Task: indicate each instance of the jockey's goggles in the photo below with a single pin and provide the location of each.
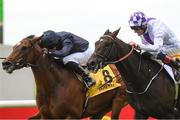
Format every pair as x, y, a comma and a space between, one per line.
136, 27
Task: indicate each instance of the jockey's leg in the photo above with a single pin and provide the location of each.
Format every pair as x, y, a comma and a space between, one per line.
82, 72
169, 61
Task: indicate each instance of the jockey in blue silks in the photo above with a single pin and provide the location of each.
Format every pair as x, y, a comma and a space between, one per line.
156, 38
72, 49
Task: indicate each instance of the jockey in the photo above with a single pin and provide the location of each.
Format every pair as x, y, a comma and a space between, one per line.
156, 38
73, 50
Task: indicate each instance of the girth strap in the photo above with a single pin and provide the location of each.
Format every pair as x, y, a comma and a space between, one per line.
176, 96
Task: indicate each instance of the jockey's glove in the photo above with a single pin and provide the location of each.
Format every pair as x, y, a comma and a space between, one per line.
50, 53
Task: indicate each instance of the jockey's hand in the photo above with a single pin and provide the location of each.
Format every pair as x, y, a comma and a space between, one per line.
50, 53
136, 46
45, 51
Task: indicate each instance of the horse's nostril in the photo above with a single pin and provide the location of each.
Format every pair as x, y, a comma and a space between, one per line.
6, 63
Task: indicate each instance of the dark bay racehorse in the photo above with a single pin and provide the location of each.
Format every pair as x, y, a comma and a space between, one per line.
151, 92
59, 93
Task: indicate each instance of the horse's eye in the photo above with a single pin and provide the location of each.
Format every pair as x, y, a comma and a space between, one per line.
24, 48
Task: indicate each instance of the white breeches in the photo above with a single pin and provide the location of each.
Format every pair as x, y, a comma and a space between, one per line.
170, 50
79, 57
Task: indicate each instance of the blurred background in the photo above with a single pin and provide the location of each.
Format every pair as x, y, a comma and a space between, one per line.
1, 21
86, 18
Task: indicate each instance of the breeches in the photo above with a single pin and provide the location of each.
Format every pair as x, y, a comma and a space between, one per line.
79, 57
168, 50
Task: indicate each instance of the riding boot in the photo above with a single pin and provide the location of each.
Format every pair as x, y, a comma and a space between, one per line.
169, 61
82, 72
175, 64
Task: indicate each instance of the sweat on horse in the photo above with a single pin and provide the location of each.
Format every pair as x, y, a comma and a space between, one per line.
59, 93
150, 89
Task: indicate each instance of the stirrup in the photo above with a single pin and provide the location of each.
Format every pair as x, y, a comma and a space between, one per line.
177, 76
89, 85
92, 83
86, 85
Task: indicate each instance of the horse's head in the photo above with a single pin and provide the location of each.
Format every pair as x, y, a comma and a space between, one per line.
22, 54
108, 50
105, 50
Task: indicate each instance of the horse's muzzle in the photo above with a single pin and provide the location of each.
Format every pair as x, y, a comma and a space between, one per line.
8, 67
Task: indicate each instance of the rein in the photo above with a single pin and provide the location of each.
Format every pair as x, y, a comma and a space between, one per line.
2, 58
122, 58
24, 61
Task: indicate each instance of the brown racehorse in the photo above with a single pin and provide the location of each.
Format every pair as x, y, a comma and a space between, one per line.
59, 93
150, 89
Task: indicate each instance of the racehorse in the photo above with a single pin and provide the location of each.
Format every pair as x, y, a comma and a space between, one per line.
59, 93
150, 89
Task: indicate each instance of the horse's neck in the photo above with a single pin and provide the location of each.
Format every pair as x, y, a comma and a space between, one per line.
45, 74
42, 71
49, 74
133, 72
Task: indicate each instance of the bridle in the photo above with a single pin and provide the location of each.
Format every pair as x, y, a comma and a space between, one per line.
106, 57
22, 62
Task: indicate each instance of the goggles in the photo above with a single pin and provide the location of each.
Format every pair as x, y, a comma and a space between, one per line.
136, 27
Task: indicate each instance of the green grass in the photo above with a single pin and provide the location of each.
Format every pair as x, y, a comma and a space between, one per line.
1, 10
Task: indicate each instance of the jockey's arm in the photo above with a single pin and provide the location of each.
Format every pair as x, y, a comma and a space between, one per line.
158, 41
66, 49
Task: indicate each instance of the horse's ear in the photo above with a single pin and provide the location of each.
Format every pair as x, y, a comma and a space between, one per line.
115, 33
107, 31
36, 39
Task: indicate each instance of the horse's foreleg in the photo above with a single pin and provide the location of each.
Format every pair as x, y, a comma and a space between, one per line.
115, 112
118, 103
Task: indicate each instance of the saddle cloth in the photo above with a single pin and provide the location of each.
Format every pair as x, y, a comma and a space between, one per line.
108, 73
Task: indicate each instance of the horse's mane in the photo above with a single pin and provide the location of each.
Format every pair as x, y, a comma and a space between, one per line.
30, 36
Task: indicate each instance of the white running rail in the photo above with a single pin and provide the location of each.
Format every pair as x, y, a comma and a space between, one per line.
17, 103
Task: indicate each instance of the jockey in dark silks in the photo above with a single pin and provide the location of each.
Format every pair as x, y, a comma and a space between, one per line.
156, 38
72, 49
